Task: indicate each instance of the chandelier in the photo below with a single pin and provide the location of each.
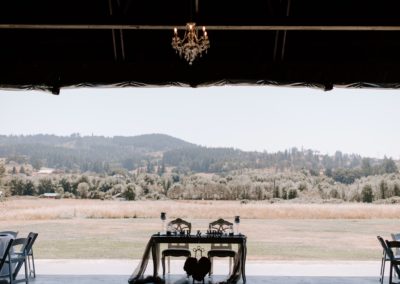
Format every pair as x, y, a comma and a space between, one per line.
191, 45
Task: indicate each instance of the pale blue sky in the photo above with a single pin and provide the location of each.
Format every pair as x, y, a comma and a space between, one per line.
249, 118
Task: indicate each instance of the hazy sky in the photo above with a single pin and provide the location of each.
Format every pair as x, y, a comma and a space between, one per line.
249, 118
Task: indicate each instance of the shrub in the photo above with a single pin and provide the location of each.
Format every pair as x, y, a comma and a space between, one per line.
367, 194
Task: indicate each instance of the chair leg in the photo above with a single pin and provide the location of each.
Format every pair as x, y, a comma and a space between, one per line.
10, 272
382, 269
230, 265
163, 265
390, 273
33, 266
169, 265
26, 270
212, 264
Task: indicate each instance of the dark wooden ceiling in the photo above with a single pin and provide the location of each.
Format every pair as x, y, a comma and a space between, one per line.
48, 44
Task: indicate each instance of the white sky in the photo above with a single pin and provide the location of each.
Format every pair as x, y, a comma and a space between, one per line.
249, 118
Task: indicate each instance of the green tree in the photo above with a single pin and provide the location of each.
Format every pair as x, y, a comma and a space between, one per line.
383, 189
292, 194
83, 189
284, 193
150, 167
45, 186
130, 192
36, 164
14, 170
334, 193
367, 195
166, 184
2, 170
17, 186
29, 188
276, 192
366, 167
161, 169
396, 189
22, 170
388, 166
66, 185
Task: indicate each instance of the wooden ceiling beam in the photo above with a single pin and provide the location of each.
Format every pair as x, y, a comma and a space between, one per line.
209, 27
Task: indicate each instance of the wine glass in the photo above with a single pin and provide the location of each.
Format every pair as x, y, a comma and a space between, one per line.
163, 217
237, 222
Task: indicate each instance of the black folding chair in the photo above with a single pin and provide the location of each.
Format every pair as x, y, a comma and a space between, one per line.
17, 256
394, 261
3, 259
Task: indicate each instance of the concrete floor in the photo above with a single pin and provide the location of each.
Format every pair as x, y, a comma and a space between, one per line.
118, 279
293, 272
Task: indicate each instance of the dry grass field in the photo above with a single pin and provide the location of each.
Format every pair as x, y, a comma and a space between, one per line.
118, 229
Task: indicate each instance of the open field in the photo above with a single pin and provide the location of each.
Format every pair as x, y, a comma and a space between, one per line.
107, 229
49, 209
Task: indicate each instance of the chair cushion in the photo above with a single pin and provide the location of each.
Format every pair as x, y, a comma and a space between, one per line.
221, 253
176, 252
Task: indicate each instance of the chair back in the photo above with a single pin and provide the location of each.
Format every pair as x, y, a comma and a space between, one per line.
383, 243
5, 254
396, 237
390, 246
385, 248
179, 225
33, 237
11, 233
222, 226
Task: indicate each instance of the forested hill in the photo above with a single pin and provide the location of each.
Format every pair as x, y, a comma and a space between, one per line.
88, 153
146, 143
155, 153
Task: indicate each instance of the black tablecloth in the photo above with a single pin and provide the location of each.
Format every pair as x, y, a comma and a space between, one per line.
153, 248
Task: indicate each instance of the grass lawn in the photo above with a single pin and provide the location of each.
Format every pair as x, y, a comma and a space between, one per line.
113, 229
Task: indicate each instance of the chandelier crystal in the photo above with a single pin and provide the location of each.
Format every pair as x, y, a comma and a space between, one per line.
191, 45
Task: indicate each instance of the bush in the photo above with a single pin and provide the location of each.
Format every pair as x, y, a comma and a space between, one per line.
292, 194
367, 195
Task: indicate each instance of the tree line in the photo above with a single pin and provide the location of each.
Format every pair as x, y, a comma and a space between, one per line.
237, 185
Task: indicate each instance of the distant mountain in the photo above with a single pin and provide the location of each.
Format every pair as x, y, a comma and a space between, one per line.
153, 142
89, 153
154, 152
147, 142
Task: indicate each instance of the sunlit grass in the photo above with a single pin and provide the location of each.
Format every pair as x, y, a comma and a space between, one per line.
44, 209
108, 229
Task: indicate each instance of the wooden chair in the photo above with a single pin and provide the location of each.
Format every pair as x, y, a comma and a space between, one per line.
394, 262
176, 249
221, 250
